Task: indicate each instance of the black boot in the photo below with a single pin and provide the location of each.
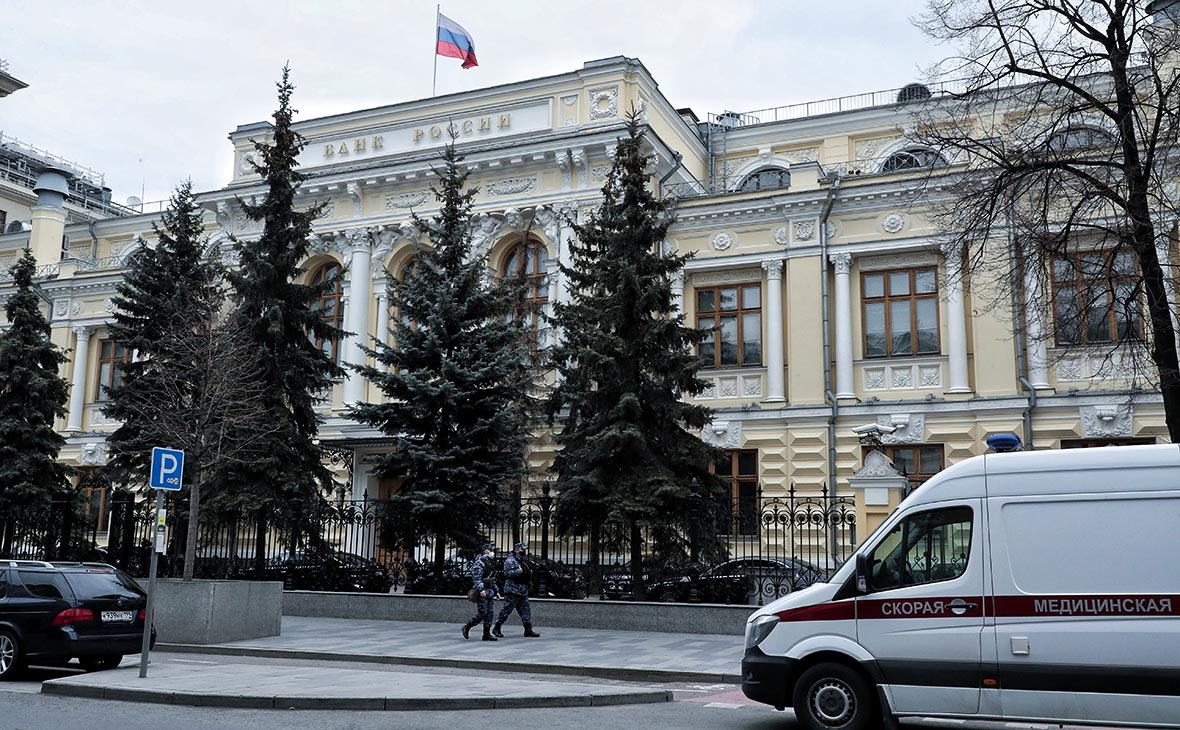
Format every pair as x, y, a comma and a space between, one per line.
467, 630
528, 631
487, 634
496, 630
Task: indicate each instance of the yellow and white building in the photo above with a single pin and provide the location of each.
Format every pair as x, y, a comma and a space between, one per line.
832, 304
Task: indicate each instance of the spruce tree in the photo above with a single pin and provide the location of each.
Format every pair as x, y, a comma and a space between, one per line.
278, 313
32, 395
166, 289
456, 379
628, 457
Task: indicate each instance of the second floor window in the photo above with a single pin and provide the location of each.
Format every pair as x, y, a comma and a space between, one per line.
1095, 298
111, 358
529, 261
328, 306
900, 312
734, 314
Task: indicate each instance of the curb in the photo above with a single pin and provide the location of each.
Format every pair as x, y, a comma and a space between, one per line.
400, 704
621, 673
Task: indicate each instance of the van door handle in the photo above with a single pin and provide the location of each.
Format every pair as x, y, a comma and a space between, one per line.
959, 606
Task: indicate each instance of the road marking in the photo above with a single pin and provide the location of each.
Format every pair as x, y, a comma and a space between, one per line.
726, 705
192, 661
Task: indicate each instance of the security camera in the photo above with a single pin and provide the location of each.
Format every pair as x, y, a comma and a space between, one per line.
873, 429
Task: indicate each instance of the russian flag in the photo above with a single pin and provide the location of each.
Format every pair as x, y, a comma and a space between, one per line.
455, 42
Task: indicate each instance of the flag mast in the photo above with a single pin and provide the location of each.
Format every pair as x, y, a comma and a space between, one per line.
434, 51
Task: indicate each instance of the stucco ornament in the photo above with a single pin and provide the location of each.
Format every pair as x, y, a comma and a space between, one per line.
893, 223
604, 103
548, 220
1107, 421
722, 241
94, 454
404, 200
804, 230
877, 466
484, 229
911, 428
780, 235
723, 434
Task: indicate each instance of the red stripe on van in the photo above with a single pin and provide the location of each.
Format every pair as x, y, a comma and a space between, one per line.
838, 611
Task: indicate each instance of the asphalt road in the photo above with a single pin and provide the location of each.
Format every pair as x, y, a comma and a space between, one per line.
697, 707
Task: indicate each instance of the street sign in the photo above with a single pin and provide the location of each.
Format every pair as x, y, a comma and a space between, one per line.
167, 468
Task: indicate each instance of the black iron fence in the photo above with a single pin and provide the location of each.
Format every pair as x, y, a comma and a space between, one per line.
760, 546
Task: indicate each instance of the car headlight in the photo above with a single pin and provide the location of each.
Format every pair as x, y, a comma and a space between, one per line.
759, 629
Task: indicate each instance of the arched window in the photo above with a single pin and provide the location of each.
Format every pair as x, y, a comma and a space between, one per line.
914, 158
1079, 138
530, 261
768, 178
328, 305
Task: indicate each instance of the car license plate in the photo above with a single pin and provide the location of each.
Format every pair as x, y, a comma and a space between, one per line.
117, 616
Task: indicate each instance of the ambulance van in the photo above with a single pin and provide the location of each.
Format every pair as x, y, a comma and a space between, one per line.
1031, 586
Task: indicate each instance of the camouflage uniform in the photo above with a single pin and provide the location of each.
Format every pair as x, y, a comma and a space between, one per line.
516, 591
483, 581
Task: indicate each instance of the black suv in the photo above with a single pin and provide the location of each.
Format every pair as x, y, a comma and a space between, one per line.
53, 612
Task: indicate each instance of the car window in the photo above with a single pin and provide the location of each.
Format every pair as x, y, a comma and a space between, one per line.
3, 584
103, 584
923, 548
43, 584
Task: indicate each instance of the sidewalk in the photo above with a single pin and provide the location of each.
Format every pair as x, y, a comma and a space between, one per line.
573, 653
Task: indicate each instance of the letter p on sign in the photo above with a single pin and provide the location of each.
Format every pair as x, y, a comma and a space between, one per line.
167, 468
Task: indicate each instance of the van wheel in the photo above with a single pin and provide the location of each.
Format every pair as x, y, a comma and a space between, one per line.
833, 697
11, 656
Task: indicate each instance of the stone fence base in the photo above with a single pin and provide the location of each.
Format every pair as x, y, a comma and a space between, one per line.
561, 613
217, 611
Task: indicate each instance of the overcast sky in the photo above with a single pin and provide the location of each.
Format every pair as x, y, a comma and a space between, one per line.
146, 92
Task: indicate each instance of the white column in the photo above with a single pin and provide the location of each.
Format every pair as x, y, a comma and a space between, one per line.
775, 355
842, 314
357, 315
956, 326
678, 293
78, 388
383, 314
1034, 328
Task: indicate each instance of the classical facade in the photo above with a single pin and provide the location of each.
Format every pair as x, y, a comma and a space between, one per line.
830, 304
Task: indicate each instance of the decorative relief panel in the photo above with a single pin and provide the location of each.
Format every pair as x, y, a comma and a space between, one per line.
727, 387
405, 200
1098, 366
895, 261
869, 149
909, 428
731, 386
908, 376
512, 186
732, 276
800, 156
1107, 421
604, 103
780, 235
893, 223
61, 308
598, 172
569, 111
804, 230
722, 241
723, 434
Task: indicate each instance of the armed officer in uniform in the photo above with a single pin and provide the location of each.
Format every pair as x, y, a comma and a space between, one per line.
484, 582
516, 591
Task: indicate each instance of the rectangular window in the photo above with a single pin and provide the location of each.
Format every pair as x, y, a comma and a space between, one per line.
919, 462
94, 501
733, 315
740, 508
111, 359
900, 312
1096, 298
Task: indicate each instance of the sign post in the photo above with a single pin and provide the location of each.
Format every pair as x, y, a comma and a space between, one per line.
166, 475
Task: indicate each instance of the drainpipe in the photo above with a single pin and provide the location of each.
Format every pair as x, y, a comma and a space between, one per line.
828, 394
1018, 322
93, 241
679, 158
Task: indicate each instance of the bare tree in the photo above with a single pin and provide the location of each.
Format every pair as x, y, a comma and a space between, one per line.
211, 408
1065, 128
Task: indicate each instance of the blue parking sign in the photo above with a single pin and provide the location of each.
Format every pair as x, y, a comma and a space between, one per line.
167, 468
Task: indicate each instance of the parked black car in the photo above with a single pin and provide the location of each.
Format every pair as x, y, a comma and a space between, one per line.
54, 612
329, 571
558, 579
744, 581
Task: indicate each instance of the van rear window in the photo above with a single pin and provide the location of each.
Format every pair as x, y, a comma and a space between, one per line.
44, 584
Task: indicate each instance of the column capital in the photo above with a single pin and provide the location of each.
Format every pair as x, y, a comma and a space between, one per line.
842, 262
677, 279
83, 331
773, 269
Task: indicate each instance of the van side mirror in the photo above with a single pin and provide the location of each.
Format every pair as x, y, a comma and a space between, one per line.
863, 573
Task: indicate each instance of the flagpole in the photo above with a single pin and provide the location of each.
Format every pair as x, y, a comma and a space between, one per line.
434, 83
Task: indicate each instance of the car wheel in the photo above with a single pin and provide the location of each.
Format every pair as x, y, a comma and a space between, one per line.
11, 655
100, 663
833, 696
